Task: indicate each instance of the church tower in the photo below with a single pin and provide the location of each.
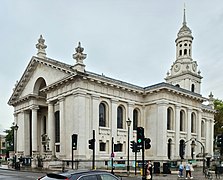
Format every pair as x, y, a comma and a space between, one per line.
183, 72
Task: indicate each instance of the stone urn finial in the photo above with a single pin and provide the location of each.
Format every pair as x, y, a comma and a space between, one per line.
41, 47
79, 56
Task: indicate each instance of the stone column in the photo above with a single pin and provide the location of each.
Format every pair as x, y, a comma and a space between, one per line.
51, 127
62, 128
16, 134
34, 129
177, 132
26, 134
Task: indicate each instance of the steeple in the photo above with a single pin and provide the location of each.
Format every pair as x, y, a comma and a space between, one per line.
184, 18
183, 72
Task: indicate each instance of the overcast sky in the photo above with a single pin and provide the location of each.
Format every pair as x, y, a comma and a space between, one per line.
129, 40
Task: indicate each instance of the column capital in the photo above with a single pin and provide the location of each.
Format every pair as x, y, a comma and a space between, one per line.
61, 98
49, 102
34, 107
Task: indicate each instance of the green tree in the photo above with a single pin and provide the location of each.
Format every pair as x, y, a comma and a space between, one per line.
218, 106
9, 138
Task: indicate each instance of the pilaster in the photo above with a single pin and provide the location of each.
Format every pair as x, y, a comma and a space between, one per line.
62, 128
161, 135
187, 148
177, 131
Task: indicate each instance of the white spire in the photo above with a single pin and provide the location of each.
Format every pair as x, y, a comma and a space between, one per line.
184, 17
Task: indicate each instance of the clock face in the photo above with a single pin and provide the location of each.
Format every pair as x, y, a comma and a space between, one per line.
194, 67
177, 67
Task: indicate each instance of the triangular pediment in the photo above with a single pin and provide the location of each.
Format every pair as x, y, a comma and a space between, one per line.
48, 69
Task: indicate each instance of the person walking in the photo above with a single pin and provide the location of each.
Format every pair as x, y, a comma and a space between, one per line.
149, 170
191, 170
181, 169
188, 168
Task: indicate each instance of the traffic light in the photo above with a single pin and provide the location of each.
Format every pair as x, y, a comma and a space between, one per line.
132, 145
91, 144
74, 141
219, 140
140, 136
147, 143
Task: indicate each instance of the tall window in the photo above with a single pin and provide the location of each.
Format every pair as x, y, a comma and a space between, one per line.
193, 122
202, 129
120, 117
182, 120
135, 119
57, 126
169, 118
169, 148
102, 115
192, 87
181, 149
44, 125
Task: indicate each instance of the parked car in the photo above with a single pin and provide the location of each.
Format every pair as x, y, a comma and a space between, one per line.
81, 175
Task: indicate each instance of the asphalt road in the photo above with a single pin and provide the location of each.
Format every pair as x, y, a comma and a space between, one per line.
29, 175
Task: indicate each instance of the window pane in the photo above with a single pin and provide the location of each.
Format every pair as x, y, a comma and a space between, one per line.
89, 177
135, 119
57, 126
120, 118
107, 177
102, 115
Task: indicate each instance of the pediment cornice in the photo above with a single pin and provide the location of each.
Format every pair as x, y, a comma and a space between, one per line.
19, 87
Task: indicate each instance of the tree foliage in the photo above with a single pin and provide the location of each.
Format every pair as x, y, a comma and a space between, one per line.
9, 138
218, 105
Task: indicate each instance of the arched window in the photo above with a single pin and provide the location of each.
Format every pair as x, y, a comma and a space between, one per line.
182, 120
39, 84
202, 129
135, 119
169, 118
102, 115
185, 51
193, 122
180, 53
120, 117
181, 149
192, 87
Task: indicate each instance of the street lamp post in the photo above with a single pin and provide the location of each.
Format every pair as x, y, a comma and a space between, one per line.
15, 142
128, 124
203, 149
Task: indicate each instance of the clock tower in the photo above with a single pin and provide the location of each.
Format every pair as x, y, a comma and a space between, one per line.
183, 72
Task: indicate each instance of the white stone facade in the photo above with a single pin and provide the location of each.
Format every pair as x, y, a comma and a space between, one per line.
54, 100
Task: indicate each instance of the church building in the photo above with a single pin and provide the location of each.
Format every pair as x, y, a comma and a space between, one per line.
53, 100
